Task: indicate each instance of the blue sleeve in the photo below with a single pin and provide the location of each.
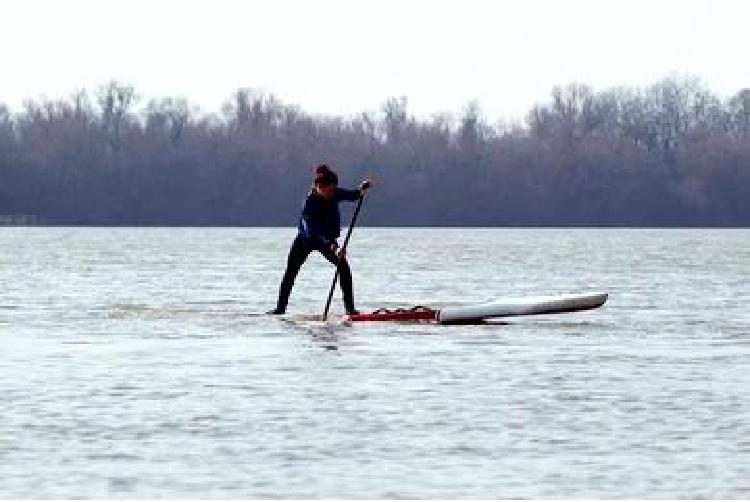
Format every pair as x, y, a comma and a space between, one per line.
310, 226
344, 194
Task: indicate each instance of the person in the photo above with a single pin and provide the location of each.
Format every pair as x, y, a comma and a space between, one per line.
319, 227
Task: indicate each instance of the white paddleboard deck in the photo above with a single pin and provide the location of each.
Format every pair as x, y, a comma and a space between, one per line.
522, 306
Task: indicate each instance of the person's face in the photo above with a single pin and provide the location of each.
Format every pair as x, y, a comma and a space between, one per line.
327, 191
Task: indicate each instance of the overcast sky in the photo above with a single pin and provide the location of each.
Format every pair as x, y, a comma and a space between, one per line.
345, 56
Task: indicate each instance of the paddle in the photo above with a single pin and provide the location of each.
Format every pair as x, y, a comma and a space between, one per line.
343, 250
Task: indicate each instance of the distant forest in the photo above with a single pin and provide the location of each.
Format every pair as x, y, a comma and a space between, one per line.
670, 154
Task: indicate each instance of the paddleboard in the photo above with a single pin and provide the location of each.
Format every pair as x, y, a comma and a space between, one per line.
505, 307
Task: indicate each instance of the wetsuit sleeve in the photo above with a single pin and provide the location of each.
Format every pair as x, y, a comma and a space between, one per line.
344, 194
310, 225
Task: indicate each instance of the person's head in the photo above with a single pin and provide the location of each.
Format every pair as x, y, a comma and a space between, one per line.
325, 181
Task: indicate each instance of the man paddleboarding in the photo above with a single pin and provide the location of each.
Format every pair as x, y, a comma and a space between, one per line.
319, 227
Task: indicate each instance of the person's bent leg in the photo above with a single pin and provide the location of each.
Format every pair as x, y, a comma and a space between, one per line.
301, 248
345, 276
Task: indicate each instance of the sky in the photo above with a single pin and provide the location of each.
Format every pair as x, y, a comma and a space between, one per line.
347, 56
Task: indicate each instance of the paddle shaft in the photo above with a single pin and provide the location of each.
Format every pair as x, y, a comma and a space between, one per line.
343, 249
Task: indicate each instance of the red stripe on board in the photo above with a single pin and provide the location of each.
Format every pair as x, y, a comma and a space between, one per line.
421, 315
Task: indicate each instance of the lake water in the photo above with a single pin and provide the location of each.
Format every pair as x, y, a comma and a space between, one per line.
129, 366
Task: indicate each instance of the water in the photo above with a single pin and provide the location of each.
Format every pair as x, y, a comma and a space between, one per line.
130, 369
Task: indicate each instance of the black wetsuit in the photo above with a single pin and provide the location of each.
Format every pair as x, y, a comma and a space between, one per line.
319, 227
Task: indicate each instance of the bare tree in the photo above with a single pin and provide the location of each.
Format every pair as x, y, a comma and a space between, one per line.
673, 153
115, 101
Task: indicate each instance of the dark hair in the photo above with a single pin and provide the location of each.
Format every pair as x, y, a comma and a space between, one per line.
323, 176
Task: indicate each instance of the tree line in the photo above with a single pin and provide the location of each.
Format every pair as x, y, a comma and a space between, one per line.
670, 154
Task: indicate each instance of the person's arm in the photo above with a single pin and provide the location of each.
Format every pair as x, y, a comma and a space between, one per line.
344, 194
